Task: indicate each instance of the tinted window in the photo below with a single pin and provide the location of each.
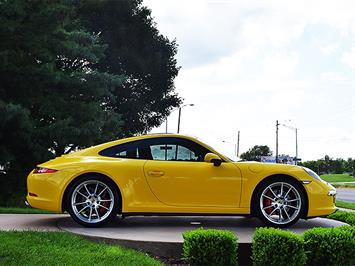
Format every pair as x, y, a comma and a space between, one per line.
169, 149
175, 149
131, 150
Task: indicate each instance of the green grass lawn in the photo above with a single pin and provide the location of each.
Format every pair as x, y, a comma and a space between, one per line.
338, 178
345, 204
60, 248
22, 210
344, 185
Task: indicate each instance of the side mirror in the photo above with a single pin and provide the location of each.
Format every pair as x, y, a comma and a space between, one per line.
213, 158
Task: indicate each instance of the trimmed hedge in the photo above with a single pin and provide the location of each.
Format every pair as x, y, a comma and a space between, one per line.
210, 247
330, 246
343, 216
273, 246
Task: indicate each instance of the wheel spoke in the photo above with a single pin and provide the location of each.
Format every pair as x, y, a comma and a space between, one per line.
79, 203
82, 194
103, 207
268, 197
292, 200
97, 214
282, 189
87, 190
106, 200
97, 184
273, 193
288, 192
90, 214
290, 206
272, 211
102, 191
87, 206
288, 216
267, 207
280, 215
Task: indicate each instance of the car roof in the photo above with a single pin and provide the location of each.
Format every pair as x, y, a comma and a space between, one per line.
96, 149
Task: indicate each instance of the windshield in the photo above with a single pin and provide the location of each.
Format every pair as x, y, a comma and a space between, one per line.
226, 149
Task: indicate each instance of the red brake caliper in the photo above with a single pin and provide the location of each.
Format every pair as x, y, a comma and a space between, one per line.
106, 204
267, 202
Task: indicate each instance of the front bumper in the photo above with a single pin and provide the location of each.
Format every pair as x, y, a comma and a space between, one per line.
321, 198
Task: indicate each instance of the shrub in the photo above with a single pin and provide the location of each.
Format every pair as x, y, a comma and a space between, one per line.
210, 247
346, 217
330, 246
273, 246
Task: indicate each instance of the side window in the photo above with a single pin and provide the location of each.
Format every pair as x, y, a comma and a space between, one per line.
160, 149
174, 149
132, 150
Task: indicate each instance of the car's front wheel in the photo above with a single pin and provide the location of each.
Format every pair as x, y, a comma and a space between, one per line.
280, 202
92, 201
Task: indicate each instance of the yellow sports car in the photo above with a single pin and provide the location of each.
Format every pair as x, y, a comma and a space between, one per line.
177, 175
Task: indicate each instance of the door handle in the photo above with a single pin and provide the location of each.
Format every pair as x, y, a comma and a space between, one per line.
156, 173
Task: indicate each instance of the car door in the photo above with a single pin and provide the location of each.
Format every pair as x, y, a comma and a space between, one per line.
178, 176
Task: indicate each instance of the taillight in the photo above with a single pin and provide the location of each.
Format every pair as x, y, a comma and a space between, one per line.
42, 170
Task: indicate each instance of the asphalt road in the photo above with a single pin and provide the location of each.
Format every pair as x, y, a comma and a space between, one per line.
346, 194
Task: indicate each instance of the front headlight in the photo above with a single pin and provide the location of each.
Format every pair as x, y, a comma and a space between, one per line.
312, 174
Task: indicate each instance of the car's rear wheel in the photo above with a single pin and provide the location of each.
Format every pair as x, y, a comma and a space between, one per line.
92, 201
280, 202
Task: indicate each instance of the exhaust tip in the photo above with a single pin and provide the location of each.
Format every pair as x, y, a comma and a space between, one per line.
27, 204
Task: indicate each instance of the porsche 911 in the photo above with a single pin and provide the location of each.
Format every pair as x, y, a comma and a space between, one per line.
171, 174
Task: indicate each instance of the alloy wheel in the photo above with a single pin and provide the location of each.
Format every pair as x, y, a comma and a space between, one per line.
280, 203
92, 201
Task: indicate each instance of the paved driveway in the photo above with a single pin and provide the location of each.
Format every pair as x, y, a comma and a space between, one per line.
346, 194
33, 222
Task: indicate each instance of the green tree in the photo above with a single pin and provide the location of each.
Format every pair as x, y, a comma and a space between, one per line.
254, 153
52, 95
57, 90
136, 49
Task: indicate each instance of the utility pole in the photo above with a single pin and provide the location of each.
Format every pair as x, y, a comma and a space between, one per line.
166, 125
277, 141
238, 143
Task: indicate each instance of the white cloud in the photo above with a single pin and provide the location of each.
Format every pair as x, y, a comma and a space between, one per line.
333, 76
329, 48
349, 58
247, 63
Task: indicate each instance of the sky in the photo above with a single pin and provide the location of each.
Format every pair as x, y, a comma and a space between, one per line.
246, 64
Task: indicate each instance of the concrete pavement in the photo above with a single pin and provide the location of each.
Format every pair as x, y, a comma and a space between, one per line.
34, 222
158, 236
346, 194
170, 229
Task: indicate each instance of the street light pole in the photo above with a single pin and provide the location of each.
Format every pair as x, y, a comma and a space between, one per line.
277, 141
296, 148
178, 130
238, 143
179, 118
295, 129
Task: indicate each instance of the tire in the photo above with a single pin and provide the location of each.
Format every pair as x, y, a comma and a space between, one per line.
93, 201
280, 202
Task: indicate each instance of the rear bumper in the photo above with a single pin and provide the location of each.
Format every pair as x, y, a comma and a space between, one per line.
43, 193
